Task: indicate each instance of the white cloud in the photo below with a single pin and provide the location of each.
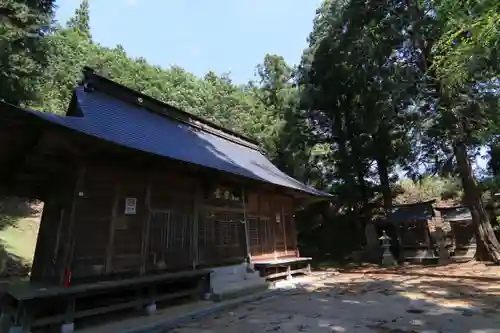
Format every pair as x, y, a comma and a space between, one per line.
131, 2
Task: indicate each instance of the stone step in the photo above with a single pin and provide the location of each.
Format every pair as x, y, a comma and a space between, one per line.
218, 279
229, 274
234, 269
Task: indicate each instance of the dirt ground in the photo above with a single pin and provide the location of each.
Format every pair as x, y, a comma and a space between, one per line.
454, 298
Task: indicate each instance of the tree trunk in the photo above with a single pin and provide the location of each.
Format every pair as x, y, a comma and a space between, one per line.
488, 247
358, 167
383, 173
383, 147
346, 166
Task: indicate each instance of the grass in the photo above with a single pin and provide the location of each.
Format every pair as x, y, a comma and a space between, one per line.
20, 239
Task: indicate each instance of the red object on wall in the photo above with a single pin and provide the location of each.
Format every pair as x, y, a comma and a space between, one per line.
67, 278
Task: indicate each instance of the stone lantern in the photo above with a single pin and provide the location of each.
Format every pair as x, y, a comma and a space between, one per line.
387, 257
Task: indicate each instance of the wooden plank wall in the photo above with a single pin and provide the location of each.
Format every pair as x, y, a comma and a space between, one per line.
127, 230
272, 229
171, 222
178, 224
93, 217
221, 228
414, 234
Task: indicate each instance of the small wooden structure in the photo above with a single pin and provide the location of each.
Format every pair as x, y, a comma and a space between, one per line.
135, 189
460, 231
412, 223
423, 227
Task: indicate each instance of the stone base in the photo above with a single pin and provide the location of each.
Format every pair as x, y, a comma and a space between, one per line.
234, 281
68, 328
150, 309
239, 290
464, 253
420, 256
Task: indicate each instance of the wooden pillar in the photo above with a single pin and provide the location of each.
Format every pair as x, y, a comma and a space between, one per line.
284, 227
146, 229
111, 233
67, 256
245, 225
295, 233
196, 225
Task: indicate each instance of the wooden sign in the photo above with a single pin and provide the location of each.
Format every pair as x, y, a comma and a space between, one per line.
130, 206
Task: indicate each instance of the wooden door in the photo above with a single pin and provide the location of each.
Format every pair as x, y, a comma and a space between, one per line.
170, 240
279, 225
93, 213
128, 225
221, 237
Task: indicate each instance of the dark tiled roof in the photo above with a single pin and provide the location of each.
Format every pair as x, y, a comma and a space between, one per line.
455, 214
110, 119
413, 212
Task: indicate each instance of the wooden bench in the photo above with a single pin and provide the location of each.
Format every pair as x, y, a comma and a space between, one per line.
275, 268
37, 306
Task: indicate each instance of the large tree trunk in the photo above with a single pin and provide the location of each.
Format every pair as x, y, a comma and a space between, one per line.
488, 247
383, 174
360, 171
382, 158
346, 166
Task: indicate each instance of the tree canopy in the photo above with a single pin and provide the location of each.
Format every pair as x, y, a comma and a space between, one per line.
384, 90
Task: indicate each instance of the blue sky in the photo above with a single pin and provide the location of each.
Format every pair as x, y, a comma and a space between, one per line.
201, 35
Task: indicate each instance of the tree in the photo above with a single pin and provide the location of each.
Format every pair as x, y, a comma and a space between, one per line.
294, 149
80, 22
23, 25
429, 188
461, 101
357, 93
213, 97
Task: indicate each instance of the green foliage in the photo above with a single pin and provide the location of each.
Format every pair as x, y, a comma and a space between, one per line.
81, 21
357, 95
382, 85
22, 48
469, 44
213, 97
428, 188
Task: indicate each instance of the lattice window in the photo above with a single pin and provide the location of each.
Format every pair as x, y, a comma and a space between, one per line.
253, 232
227, 230
171, 235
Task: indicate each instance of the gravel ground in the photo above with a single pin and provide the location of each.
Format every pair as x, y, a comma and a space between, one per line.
367, 303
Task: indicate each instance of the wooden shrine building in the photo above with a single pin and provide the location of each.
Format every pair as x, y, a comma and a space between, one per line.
457, 221
134, 188
412, 224
421, 227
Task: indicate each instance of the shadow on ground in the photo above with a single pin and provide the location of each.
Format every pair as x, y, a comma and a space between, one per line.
368, 303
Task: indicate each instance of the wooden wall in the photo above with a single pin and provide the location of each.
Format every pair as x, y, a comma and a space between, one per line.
271, 226
179, 223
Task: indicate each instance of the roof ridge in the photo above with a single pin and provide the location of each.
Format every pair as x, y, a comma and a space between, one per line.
92, 81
